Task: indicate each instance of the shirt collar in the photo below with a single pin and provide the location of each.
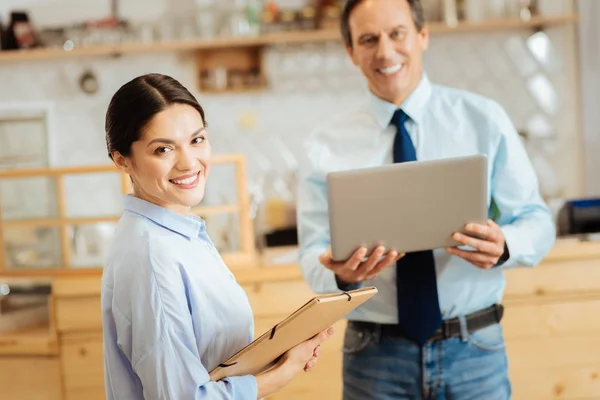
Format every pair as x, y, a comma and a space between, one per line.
190, 226
413, 106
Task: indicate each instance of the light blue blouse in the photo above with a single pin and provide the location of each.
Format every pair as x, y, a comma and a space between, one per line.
171, 310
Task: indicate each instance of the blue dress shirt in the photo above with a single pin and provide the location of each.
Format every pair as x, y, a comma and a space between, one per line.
171, 310
445, 122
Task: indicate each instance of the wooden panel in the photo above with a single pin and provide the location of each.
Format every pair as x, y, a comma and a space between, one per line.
278, 298
551, 278
30, 378
91, 286
78, 313
529, 354
552, 319
571, 250
76, 287
557, 383
83, 366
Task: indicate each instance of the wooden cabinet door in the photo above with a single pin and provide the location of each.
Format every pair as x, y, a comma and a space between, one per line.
31, 378
83, 366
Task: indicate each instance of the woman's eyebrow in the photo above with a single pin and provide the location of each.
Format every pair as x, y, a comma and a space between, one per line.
169, 141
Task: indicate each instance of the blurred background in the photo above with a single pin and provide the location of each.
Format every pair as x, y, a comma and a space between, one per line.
267, 73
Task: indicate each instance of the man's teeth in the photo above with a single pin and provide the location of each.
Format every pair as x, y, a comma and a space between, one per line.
186, 181
390, 70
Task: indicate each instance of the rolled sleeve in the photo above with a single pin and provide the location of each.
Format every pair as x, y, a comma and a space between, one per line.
243, 387
524, 217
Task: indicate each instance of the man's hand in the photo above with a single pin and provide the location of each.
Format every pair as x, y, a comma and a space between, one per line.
488, 244
355, 270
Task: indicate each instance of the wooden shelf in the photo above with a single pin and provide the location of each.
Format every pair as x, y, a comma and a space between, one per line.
244, 257
537, 22
264, 40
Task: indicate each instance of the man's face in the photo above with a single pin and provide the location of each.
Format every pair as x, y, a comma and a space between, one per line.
387, 47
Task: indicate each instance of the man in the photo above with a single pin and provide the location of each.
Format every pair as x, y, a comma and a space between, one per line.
433, 331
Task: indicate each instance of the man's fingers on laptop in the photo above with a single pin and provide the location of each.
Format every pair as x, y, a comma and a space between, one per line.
351, 264
374, 257
355, 261
366, 268
389, 259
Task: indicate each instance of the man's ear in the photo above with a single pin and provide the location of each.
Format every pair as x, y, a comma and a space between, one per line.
122, 162
350, 52
424, 38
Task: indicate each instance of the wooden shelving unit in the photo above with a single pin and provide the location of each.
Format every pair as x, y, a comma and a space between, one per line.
245, 257
265, 40
242, 56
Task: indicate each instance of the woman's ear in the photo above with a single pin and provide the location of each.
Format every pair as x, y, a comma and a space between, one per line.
122, 162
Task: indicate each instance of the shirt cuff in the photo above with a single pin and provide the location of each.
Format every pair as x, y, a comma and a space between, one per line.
511, 246
504, 257
243, 387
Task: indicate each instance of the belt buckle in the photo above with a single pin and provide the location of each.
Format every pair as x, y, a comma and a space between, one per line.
446, 331
440, 334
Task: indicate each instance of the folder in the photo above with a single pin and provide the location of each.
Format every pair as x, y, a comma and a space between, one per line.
316, 315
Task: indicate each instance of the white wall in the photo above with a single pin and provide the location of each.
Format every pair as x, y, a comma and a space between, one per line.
317, 82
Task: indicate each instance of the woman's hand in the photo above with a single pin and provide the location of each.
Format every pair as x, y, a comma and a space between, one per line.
313, 360
302, 357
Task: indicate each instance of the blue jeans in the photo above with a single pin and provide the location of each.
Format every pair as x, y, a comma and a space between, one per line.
471, 367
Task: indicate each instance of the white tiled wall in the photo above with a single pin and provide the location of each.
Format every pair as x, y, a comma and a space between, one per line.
310, 84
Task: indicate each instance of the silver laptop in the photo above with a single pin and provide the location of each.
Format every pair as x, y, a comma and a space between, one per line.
409, 206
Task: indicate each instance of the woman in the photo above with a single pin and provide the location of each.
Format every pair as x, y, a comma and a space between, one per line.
171, 309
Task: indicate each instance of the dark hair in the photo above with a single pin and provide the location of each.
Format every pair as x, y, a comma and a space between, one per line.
416, 8
136, 103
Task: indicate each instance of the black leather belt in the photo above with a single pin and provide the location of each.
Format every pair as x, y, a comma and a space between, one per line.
450, 327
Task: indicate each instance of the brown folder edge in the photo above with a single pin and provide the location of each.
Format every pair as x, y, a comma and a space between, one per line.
272, 334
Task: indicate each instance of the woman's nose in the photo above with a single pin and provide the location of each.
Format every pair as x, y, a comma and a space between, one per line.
186, 160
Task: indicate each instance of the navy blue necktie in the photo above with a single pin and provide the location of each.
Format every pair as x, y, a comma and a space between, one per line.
418, 306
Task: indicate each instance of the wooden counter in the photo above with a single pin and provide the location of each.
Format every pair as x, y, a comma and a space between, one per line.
551, 325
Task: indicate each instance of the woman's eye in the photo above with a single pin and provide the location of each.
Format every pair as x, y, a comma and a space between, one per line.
162, 150
198, 140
